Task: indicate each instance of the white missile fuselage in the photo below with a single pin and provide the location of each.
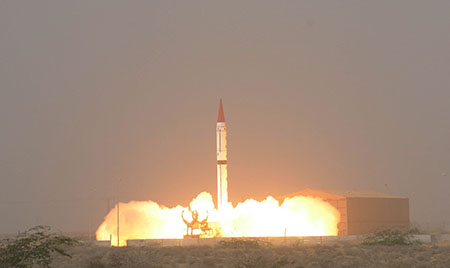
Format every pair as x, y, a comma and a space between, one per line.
222, 184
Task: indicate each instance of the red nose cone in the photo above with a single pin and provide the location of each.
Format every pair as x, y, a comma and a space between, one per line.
221, 117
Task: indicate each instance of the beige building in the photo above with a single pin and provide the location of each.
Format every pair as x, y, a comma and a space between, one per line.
363, 212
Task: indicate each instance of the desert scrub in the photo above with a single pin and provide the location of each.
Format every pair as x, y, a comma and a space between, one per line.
252, 254
35, 247
244, 243
391, 238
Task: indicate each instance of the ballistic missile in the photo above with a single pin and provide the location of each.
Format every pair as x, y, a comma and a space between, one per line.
221, 137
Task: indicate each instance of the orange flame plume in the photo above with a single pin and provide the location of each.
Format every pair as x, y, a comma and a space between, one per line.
296, 216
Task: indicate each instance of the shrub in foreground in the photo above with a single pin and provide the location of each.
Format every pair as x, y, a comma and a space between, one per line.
33, 248
391, 238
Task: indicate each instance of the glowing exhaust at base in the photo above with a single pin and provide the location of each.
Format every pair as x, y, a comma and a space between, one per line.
297, 216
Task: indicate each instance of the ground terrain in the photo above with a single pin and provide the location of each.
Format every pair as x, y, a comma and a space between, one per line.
247, 254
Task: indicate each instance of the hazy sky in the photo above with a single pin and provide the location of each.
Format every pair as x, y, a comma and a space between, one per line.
317, 94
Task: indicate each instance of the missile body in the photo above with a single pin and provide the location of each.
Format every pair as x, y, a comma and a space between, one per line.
221, 136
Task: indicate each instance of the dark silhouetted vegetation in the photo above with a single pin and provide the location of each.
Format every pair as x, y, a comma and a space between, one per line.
391, 238
244, 243
33, 248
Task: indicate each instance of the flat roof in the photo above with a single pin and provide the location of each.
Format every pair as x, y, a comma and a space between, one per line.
342, 194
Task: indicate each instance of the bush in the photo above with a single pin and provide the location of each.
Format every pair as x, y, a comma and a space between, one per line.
33, 248
391, 238
244, 243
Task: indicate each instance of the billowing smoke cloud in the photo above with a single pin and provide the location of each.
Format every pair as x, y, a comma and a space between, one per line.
297, 216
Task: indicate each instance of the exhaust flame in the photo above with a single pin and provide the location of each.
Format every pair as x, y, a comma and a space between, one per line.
296, 216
